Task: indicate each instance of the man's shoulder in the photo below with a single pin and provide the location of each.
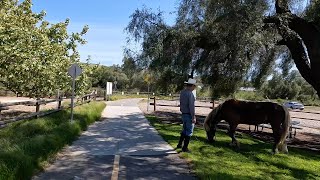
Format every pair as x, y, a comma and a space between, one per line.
182, 91
186, 92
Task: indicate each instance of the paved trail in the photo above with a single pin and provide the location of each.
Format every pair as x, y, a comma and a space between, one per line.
122, 146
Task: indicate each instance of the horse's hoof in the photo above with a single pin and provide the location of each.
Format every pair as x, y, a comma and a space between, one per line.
284, 149
274, 152
235, 144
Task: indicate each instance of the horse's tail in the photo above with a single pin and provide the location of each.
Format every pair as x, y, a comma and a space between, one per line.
285, 127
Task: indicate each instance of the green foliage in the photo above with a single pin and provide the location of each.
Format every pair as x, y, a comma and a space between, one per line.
222, 42
129, 66
219, 41
249, 95
312, 12
290, 87
103, 74
278, 87
252, 161
35, 54
27, 145
126, 96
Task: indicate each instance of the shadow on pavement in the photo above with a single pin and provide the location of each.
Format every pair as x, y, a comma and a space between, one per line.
123, 131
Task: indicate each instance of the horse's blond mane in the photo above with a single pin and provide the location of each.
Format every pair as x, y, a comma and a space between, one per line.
209, 119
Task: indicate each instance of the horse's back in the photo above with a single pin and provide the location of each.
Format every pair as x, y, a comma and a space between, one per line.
250, 112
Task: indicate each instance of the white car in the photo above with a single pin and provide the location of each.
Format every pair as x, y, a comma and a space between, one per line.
294, 105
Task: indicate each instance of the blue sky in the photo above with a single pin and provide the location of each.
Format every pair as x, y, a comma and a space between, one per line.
106, 19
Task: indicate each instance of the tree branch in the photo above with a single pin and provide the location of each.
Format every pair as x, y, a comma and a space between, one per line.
299, 55
282, 6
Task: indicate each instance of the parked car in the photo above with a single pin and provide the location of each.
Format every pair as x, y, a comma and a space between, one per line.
294, 105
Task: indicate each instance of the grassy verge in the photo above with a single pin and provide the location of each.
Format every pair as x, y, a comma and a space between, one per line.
252, 161
27, 146
128, 96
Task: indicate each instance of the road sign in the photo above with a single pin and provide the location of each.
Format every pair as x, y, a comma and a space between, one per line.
109, 88
74, 71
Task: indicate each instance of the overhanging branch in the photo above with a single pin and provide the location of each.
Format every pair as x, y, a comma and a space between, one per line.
282, 6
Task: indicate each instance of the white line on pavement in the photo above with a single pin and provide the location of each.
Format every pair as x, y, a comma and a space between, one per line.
115, 172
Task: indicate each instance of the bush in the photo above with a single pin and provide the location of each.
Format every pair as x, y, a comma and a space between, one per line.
25, 146
249, 95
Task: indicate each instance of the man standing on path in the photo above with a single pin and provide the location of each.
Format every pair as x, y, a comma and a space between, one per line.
187, 109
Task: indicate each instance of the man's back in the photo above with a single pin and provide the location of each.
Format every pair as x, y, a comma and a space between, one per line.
187, 102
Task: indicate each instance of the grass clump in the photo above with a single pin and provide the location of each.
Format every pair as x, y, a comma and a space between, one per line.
252, 161
116, 97
27, 145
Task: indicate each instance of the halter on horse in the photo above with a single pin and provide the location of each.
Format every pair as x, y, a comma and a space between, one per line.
236, 112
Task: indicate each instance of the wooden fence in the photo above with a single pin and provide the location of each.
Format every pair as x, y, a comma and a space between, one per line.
293, 127
4, 121
211, 107
154, 104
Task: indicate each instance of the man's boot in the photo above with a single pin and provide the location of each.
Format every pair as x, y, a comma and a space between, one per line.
182, 136
186, 143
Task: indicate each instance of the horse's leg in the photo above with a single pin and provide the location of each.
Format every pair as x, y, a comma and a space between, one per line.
284, 148
232, 132
277, 136
275, 148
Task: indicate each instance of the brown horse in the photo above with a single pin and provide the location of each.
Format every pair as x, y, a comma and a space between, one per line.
236, 112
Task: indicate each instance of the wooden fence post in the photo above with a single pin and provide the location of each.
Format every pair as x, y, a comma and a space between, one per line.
154, 103
59, 102
59, 99
37, 106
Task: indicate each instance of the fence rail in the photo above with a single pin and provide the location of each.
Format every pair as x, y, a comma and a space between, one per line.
154, 104
309, 119
4, 121
211, 107
28, 103
307, 112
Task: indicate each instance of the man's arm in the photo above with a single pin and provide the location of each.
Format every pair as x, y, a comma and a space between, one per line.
192, 108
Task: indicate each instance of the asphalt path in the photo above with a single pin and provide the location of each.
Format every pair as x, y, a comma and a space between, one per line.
121, 146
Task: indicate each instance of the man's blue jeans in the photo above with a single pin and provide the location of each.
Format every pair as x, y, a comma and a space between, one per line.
187, 125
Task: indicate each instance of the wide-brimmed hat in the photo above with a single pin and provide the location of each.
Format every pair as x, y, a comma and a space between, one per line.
191, 81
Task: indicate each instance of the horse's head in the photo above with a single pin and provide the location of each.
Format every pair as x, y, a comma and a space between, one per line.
210, 123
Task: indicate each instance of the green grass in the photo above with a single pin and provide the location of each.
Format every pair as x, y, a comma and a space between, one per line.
126, 96
252, 161
27, 146
249, 95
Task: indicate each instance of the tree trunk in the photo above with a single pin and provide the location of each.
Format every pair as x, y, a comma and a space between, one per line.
302, 39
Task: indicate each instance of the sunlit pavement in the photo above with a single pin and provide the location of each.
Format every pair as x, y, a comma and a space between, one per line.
122, 146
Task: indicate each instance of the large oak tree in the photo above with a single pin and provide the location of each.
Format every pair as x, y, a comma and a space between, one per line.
302, 37
224, 42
